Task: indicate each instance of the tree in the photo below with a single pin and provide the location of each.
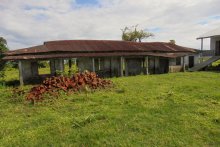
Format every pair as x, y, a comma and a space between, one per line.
172, 41
133, 34
3, 48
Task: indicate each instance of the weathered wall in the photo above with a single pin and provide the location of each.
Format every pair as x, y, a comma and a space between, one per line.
175, 68
172, 61
115, 67
163, 65
157, 65
27, 70
134, 66
151, 65
213, 42
56, 65
85, 64
109, 66
186, 60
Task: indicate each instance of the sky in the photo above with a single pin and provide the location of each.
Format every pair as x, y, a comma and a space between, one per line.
26, 23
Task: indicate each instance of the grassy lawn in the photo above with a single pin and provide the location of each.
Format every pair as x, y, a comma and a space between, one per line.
181, 109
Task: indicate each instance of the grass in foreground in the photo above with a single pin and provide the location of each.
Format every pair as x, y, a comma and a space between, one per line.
181, 109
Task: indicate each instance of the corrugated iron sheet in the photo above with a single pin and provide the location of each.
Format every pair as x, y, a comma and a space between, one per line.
94, 48
76, 55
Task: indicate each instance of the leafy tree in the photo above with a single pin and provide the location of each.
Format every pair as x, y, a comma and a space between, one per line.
3, 45
172, 41
133, 34
3, 48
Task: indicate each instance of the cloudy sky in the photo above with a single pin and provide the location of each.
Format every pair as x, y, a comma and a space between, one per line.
26, 23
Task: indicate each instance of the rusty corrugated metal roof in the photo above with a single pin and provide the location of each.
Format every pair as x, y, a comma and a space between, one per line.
75, 55
77, 48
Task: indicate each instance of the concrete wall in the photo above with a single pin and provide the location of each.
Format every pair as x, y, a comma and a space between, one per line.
85, 64
133, 66
163, 65
109, 66
184, 60
196, 60
115, 67
27, 70
173, 67
151, 65
172, 61
56, 65
213, 42
154, 65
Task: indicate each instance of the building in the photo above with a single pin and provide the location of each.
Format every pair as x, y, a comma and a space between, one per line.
107, 58
214, 53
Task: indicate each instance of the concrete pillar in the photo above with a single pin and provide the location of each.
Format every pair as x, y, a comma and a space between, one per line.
34, 69
126, 67
202, 49
70, 66
27, 70
56, 65
146, 65
202, 44
156, 65
20, 73
184, 64
93, 64
121, 66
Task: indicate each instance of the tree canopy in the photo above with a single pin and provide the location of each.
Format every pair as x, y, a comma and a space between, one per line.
173, 41
3, 45
133, 34
3, 48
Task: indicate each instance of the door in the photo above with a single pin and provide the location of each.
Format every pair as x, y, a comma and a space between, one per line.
217, 48
164, 65
191, 61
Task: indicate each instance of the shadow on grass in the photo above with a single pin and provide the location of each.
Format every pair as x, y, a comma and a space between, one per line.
12, 83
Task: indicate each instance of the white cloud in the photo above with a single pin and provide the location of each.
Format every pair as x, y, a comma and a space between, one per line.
31, 22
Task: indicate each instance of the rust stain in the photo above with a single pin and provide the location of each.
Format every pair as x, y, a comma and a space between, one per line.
97, 48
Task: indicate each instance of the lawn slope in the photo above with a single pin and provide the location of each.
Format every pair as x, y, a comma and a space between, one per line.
181, 109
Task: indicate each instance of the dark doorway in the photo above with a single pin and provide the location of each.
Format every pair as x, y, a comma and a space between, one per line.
134, 66
217, 48
191, 61
164, 65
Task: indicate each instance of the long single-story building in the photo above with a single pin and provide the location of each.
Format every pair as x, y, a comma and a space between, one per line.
107, 58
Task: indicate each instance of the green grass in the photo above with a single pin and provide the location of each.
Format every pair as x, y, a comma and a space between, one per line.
181, 109
216, 63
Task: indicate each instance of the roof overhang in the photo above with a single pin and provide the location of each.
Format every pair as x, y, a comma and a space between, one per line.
212, 33
97, 48
78, 55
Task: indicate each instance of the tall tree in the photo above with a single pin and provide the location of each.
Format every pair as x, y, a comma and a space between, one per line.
3, 48
3, 45
133, 34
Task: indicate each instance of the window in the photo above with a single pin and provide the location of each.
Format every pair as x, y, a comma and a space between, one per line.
178, 61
